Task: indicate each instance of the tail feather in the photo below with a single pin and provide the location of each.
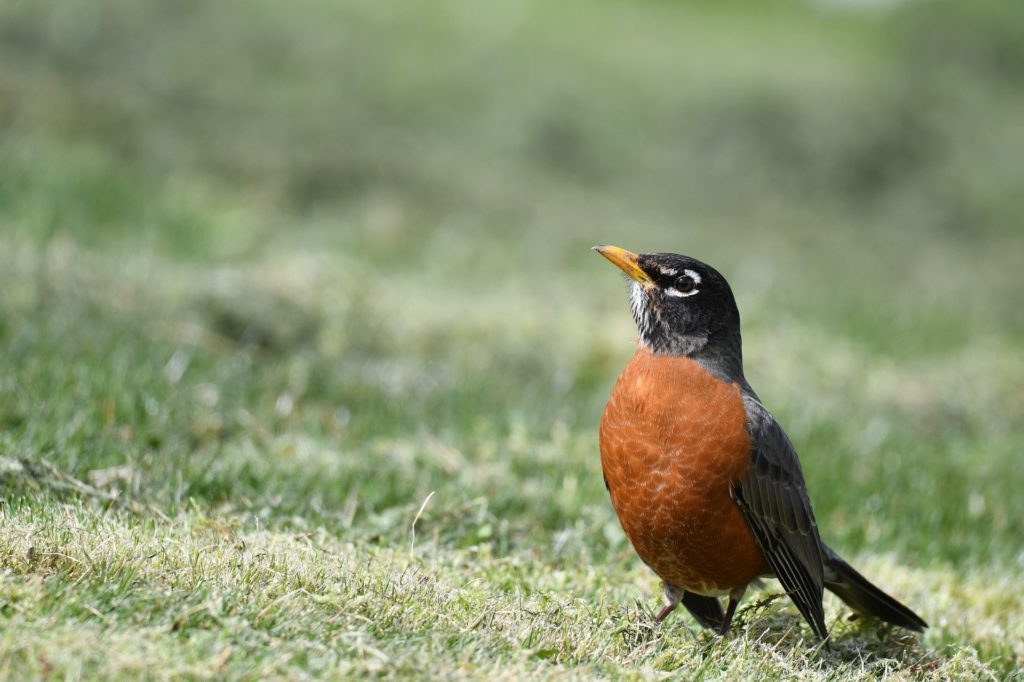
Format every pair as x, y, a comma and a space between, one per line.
861, 595
707, 610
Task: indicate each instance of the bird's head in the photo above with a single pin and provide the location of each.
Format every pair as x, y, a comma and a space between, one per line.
679, 303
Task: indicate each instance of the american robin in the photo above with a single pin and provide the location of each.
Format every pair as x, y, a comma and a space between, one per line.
705, 482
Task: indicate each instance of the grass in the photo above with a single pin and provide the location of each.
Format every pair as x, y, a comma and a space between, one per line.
202, 596
304, 348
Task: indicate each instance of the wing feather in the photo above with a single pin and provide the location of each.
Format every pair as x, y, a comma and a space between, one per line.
774, 501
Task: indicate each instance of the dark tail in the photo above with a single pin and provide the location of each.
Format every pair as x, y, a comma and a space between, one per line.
854, 589
707, 610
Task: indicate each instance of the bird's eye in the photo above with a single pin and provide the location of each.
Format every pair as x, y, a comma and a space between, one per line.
685, 284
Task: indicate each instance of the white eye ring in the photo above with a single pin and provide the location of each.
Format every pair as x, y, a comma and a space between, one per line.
693, 277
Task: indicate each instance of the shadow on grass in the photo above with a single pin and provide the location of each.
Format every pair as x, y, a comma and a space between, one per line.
864, 644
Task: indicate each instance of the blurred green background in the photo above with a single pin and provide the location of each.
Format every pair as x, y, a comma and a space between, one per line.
311, 261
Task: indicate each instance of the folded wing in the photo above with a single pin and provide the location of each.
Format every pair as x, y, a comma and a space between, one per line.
774, 501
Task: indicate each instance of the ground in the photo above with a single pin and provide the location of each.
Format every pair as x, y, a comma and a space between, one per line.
303, 347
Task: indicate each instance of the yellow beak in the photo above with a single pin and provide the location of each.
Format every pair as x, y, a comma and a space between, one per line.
627, 262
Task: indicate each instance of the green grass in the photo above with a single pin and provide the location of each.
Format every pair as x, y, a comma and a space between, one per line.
304, 350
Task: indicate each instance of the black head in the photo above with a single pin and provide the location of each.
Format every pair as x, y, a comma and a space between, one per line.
681, 305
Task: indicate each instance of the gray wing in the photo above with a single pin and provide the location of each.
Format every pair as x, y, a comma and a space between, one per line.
774, 501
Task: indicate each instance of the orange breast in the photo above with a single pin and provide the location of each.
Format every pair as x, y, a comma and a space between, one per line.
673, 441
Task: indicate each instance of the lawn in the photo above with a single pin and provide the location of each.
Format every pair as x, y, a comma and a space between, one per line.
303, 347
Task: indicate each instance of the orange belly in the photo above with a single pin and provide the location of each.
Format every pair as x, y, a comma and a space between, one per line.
673, 441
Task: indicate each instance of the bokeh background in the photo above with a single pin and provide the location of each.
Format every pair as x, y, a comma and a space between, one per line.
308, 262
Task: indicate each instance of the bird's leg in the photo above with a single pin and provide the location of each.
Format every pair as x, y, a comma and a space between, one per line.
665, 610
672, 597
730, 610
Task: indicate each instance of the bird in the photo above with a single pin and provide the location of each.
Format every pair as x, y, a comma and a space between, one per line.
706, 484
